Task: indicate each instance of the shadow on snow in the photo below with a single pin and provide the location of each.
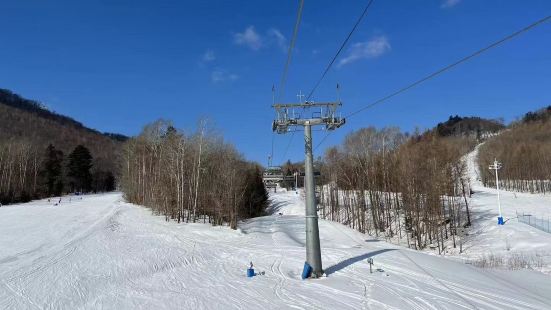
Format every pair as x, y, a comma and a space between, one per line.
350, 261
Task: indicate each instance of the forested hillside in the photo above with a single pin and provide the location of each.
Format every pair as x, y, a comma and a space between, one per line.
411, 187
191, 177
34, 141
473, 126
525, 153
382, 183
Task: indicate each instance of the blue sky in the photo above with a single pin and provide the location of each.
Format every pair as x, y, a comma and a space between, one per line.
116, 65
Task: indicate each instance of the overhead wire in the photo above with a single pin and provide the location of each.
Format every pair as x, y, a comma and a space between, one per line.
286, 68
450, 66
290, 51
342, 46
271, 158
444, 69
364, 13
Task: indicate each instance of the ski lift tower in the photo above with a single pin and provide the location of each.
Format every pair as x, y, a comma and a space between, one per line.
315, 114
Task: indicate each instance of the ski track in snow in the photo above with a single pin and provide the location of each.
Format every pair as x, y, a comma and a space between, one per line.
100, 252
486, 237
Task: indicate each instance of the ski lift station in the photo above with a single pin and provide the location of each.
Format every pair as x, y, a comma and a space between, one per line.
272, 176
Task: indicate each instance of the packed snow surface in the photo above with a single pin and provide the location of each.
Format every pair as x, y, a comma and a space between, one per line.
513, 238
100, 252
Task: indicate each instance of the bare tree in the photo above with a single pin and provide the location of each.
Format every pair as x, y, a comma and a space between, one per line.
189, 177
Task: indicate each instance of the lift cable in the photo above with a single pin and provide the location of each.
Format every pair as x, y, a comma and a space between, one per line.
444, 69
290, 51
286, 69
364, 13
288, 144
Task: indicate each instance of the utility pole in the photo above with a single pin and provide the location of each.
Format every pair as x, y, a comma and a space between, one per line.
286, 118
496, 166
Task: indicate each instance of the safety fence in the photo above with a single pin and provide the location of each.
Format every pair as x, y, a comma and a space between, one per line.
534, 221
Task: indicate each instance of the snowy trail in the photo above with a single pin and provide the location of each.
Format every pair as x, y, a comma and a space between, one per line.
100, 252
513, 237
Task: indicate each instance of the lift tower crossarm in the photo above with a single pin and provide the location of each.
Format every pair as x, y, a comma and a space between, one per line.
286, 116
307, 105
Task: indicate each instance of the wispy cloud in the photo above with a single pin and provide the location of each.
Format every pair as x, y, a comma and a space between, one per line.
220, 75
209, 56
255, 40
449, 3
249, 38
279, 38
373, 48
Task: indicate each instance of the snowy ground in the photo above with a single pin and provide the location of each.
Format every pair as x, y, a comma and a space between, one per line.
513, 238
100, 252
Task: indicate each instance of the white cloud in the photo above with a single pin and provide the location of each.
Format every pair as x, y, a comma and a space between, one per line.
255, 41
220, 75
279, 38
373, 48
249, 38
449, 3
209, 55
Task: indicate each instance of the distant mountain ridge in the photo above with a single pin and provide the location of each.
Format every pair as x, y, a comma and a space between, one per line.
28, 121
13, 100
542, 115
465, 126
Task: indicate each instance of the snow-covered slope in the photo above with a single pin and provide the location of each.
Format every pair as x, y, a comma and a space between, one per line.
513, 238
100, 252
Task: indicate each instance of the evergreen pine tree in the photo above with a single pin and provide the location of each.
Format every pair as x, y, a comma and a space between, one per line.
256, 194
109, 183
52, 171
80, 163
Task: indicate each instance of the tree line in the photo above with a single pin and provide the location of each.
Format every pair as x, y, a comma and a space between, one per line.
524, 151
384, 183
191, 177
26, 122
28, 172
34, 141
468, 126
